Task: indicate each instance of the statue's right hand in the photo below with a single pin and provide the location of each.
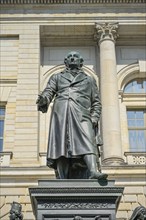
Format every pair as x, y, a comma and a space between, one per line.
40, 100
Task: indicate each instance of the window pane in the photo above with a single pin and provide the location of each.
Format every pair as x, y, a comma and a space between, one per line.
137, 130
141, 140
135, 118
139, 114
2, 111
131, 123
1, 128
128, 88
136, 86
132, 139
140, 123
130, 114
1, 145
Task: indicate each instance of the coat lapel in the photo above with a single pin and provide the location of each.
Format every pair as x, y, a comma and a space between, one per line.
68, 76
79, 77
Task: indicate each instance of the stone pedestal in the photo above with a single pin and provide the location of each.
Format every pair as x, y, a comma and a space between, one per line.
75, 199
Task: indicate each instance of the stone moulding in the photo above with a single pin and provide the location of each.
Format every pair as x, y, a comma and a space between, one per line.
102, 190
71, 1
75, 205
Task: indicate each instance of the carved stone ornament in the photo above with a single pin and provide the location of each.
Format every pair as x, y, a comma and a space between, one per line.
139, 213
106, 31
75, 205
140, 160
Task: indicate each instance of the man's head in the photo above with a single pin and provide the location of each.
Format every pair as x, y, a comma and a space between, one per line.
73, 60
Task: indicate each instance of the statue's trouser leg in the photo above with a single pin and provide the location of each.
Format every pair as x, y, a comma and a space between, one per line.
62, 168
90, 160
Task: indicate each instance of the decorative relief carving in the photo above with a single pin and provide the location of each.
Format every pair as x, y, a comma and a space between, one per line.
106, 31
75, 205
136, 158
141, 160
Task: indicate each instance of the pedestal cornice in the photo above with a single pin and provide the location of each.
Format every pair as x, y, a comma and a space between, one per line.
35, 2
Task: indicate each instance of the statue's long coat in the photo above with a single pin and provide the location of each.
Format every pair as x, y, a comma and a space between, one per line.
76, 103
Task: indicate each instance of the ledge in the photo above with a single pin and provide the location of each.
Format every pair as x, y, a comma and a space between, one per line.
36, 2
45, 172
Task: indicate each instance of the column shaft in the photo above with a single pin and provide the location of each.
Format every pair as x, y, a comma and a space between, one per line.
112, 148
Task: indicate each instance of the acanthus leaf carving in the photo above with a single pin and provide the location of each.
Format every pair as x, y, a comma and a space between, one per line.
106, 31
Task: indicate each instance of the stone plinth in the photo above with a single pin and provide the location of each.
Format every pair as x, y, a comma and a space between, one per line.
75, 199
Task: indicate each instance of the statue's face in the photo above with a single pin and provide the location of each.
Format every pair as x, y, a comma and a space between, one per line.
73, 60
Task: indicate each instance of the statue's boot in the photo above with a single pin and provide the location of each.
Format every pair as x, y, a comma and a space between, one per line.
98, 175
90, 160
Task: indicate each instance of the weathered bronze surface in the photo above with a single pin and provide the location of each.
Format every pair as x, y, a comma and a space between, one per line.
72, 145
139, 213
15, 212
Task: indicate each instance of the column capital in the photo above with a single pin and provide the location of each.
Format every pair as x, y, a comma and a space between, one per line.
106, 31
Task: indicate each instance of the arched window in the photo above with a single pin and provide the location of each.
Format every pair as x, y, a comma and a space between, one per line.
132, 95
136, 86
136, 115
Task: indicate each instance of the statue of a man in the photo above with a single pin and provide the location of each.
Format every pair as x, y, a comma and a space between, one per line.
72, 147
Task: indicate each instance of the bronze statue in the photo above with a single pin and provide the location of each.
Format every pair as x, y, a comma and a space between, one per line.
15, 212
139, 213
72, 147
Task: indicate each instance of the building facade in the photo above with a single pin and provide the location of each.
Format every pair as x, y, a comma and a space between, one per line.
35, 36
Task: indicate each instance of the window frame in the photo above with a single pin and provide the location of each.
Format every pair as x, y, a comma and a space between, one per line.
134, 128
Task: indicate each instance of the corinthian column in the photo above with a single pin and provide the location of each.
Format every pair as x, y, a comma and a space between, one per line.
112, 149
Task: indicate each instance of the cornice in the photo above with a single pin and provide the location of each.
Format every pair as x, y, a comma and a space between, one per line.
48, 2
66, 190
